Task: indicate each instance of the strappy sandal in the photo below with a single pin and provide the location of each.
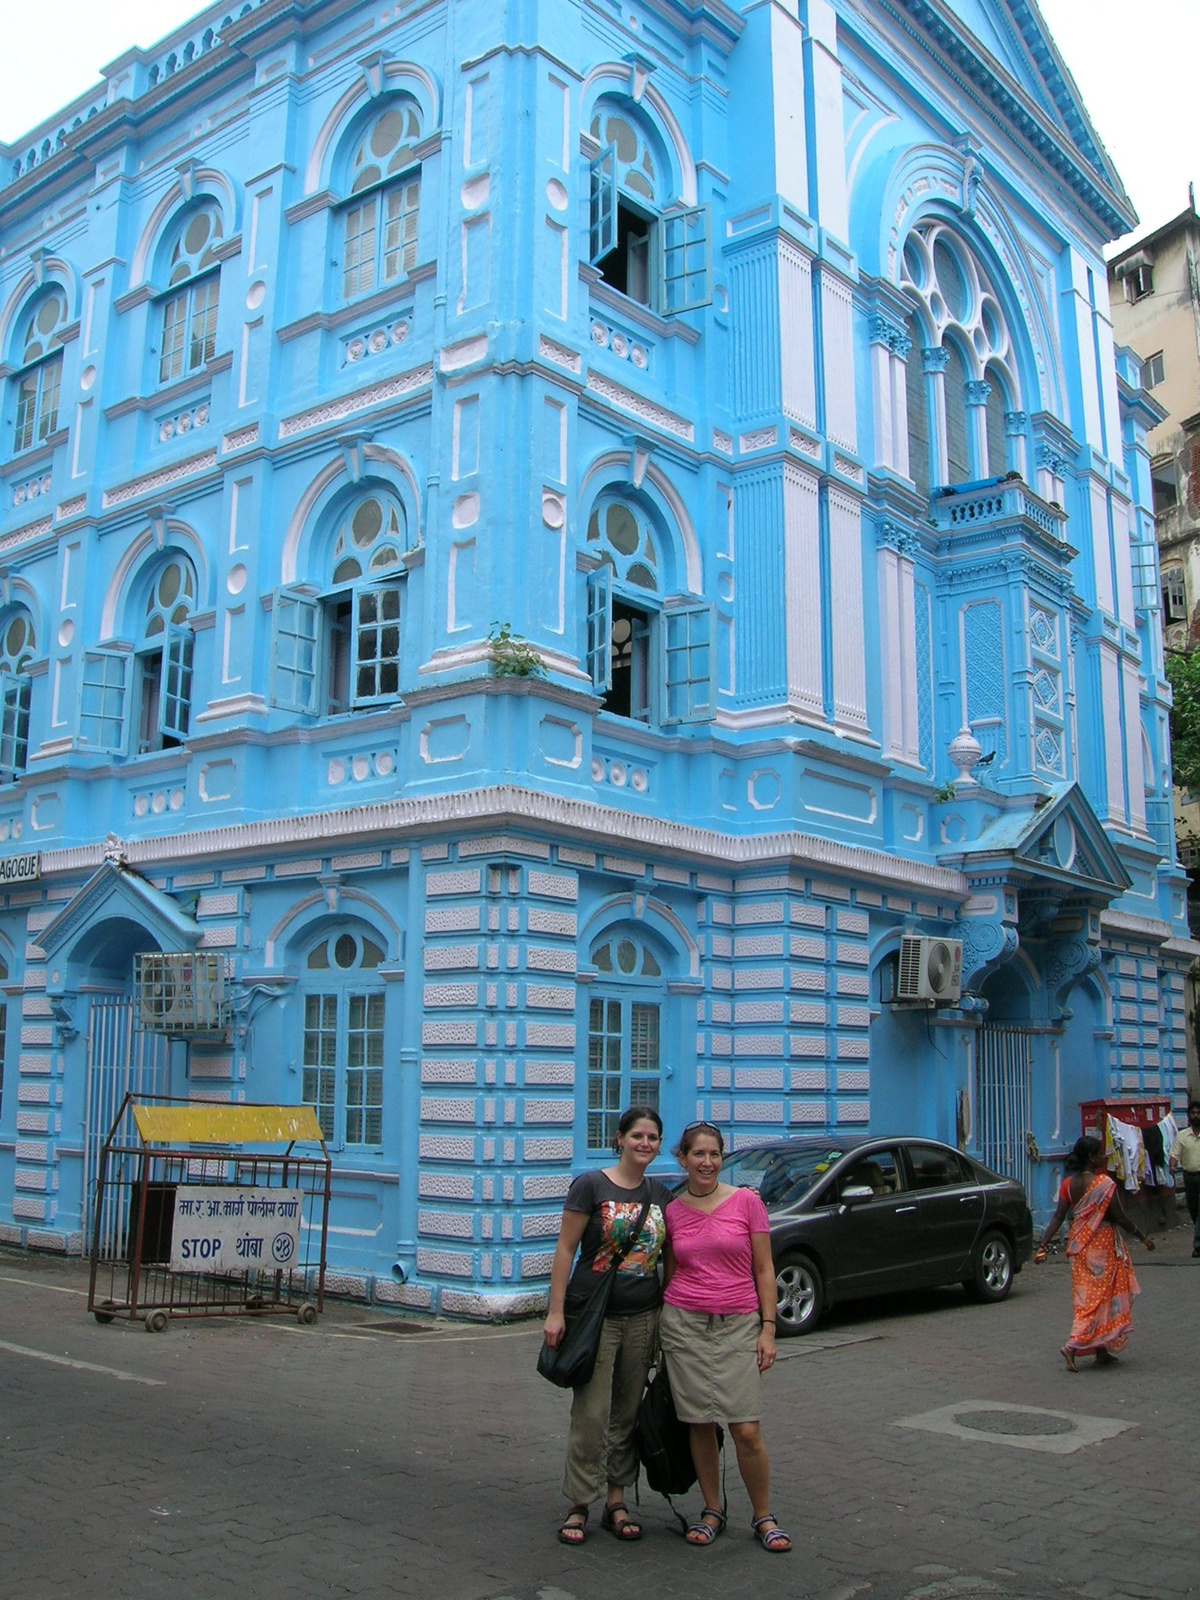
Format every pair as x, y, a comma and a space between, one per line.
574, 1532
773, 1539
627, 1530
702, 1532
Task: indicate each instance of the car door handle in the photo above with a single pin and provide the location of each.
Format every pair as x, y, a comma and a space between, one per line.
967, 1199
900, 1210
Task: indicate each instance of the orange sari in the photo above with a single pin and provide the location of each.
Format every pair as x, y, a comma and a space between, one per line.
1102, 1280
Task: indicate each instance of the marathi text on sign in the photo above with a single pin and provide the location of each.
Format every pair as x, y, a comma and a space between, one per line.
224, 1229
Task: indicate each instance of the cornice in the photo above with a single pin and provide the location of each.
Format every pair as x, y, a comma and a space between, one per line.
508, 806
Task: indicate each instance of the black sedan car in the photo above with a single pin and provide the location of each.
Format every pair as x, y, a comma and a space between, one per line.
852, 1217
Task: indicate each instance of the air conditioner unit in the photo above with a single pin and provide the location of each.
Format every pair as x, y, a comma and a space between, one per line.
930, 969
181, 992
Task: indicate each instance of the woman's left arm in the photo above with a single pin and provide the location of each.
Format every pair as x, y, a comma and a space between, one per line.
764, 1282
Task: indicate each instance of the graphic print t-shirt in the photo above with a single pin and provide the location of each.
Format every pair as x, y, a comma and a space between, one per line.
612, 1212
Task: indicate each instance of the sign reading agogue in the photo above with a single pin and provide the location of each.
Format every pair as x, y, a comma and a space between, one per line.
21, 869
223, 1229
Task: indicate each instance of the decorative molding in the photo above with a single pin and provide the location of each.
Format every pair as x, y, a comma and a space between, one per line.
656, 416
882, 330
31, 531
241, 438
378, 394
509, 806
154, 481
559, 354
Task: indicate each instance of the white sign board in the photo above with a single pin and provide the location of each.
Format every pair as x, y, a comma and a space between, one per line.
21, 869
235, 1230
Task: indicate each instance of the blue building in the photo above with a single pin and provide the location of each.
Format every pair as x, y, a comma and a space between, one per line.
545, 545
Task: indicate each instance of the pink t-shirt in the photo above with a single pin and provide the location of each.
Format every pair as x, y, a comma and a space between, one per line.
714, 1259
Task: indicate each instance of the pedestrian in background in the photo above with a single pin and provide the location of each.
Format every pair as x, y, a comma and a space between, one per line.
1185, 1157
1103, 1285
600, 1210
718, 1329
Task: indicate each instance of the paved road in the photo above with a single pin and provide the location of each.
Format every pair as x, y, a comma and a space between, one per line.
372, 1457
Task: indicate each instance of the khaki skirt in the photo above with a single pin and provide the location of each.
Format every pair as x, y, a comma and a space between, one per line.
713, 1365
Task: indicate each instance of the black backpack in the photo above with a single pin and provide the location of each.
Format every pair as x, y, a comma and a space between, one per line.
663, 1441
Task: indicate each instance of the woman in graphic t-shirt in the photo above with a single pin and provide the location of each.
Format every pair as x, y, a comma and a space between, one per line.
600, 1210
718, 1328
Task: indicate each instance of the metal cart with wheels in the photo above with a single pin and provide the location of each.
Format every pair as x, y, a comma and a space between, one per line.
206, 1209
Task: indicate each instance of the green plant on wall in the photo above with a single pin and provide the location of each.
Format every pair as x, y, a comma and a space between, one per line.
512, 656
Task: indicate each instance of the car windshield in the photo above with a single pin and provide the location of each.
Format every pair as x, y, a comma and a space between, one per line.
781, 1176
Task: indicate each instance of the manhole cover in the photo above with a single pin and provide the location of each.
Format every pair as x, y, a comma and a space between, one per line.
1018, 1422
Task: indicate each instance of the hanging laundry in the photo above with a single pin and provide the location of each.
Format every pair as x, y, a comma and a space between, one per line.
1157, 1151
1132, 1149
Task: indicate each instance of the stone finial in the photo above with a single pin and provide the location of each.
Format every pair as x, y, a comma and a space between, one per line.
965, 752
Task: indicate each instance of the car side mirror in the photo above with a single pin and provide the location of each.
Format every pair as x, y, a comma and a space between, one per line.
856, 1192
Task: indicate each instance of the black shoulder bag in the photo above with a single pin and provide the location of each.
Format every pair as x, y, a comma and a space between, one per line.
572, 1361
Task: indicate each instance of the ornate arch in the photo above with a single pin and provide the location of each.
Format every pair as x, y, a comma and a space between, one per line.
619, 78
397, 474
629, 471
895, 192
649, 912
161, 536
378, 78
302, 921
50, 270
201, 183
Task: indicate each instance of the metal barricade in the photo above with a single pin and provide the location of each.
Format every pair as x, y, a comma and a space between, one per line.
193, 1220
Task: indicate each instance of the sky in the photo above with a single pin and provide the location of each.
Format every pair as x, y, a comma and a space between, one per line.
1143, 112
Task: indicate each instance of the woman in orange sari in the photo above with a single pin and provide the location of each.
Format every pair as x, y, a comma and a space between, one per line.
1102, 1280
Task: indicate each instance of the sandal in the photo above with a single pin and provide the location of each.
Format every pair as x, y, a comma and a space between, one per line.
773, 1539
705, 1532
627, 1530
572, 1531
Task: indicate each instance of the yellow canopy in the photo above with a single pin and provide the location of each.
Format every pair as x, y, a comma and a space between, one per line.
226, 1124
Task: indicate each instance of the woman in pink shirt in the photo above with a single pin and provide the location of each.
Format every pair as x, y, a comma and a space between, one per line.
718, 1328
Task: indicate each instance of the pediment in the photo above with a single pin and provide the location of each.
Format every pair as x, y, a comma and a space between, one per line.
116, 893
1061, 841
1019, 68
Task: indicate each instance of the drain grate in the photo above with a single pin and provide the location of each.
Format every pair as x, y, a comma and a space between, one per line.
1013, 1422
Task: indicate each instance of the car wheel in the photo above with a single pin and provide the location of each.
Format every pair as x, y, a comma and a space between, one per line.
800, 1296
991, 1268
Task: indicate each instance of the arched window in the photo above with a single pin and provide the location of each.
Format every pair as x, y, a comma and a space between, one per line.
159, 668
656, 252
189, 313
342, 1045
339, 650
624, 1064
17, 648
379, 225
38, 359
969, 346
651, 659
997, 409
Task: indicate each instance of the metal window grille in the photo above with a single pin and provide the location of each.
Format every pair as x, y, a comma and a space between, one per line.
604, 1073
364, 1070
644, 1064
181, 992
319, 1080
1004, 1099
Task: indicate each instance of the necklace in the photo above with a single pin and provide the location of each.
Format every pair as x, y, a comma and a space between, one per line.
702, 1194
